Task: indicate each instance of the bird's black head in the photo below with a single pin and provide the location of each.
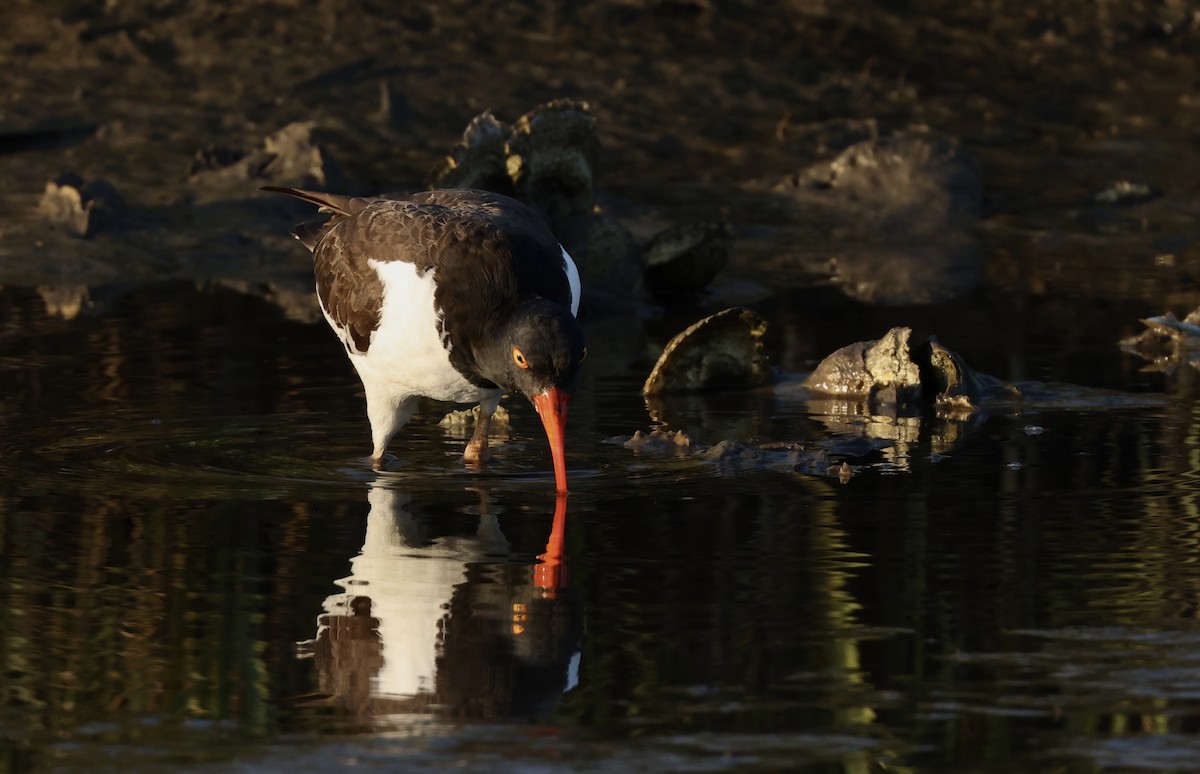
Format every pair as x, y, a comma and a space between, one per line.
537, 352
539, 348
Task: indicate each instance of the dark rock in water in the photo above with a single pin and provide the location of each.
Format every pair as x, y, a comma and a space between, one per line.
480, 160
82, 209
946, 376
288, 157
684, 259
721, 351
673, 442
736, 457
731, 457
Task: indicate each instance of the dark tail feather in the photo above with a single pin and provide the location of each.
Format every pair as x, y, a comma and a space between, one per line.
338, 205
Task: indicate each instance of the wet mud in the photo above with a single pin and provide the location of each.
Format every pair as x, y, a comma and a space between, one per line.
852, 145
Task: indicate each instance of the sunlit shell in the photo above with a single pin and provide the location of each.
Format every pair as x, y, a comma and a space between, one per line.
722, 350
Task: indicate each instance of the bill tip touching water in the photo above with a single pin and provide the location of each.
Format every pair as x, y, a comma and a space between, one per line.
456, 295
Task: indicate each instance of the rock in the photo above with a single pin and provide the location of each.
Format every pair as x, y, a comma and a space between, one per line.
674, 442
866, 368
899, 184
1167, 342
610, 263
723, 350
1125, 193
65, 301
954, 385
684, 259
552, 156
546, 158
731, 457
288, 157
479, 160
462, 422
902, 209
82, 209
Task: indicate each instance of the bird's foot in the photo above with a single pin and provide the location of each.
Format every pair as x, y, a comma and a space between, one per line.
477, 452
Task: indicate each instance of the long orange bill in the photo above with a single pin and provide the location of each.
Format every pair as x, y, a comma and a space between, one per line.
551, 406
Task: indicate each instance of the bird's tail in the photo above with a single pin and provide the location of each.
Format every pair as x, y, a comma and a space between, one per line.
338, 205
310, 233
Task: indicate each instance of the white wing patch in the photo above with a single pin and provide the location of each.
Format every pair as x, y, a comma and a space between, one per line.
572, 280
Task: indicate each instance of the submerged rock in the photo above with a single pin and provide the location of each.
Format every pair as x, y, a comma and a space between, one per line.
675, 442
723, 350
80, 208
731, 457
462, 421
65, 301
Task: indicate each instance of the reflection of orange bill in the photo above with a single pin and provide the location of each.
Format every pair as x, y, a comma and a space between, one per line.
551, 575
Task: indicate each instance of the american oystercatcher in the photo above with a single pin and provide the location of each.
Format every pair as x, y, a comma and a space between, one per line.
456, 295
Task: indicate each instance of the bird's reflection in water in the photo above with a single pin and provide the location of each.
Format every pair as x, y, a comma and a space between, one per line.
447, 624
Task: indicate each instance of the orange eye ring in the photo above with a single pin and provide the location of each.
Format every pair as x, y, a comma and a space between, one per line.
519, 358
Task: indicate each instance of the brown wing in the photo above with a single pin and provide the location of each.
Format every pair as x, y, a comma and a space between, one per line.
490, 252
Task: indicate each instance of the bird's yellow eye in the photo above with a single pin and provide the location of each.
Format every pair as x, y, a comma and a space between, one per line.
519, 358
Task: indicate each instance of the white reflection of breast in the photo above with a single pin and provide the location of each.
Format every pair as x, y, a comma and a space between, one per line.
410, 590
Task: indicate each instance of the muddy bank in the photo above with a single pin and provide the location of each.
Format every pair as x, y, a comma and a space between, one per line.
699, 105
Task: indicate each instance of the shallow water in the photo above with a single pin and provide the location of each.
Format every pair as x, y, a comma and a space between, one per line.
191, 536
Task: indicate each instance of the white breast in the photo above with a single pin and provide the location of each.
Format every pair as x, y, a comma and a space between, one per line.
409, 351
